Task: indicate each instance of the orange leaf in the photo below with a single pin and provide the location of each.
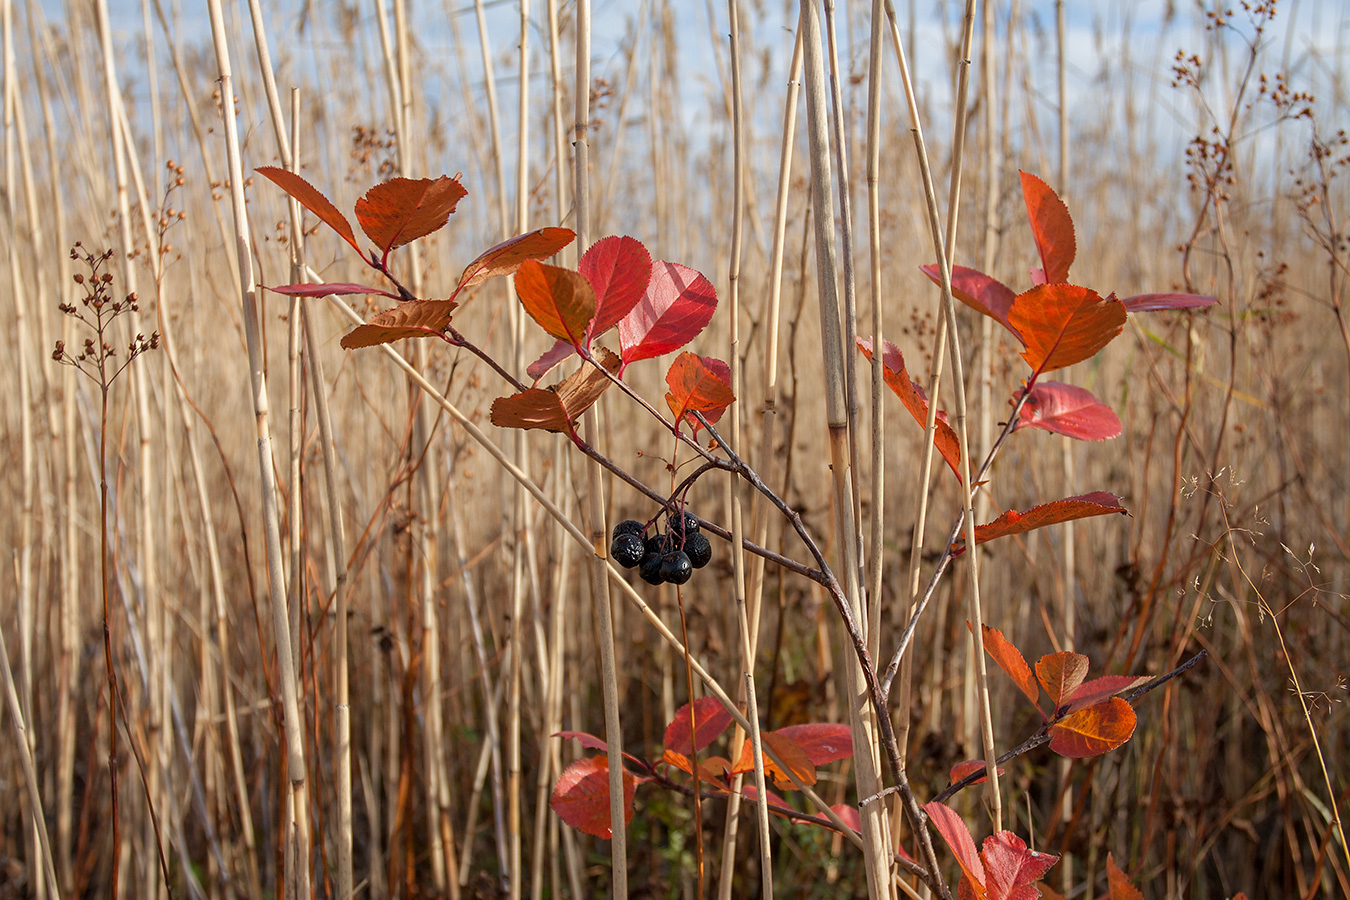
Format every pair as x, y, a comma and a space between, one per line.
507, 256
914, 399
560, 300
581, 796
1119, 884
1093, 731
1063, 324
402, 210
416, 318
1098, 503
557, 407
698, 384
788, 750
964, 769
311, 199
1061, 674
1051, 226
1010, 660
1098, 689
711, 772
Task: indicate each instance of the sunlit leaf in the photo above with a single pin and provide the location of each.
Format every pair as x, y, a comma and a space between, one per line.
1098, 689
792, 755
1119, 885
402, 210
698, 384
1011, 868
710, 719
559, 300
416, 318
916, 401
677, 305
1155, 302
340, 288
711, 771
1068, 410
1051, 226
1093, 731
982, 293
959, 841
1098, 503
311, 199
1063, 324
581, 796
1061, 674
823, 742
557, 407
619, 269
507, 256
1010, 660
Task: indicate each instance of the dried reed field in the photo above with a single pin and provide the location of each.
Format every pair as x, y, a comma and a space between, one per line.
497, 458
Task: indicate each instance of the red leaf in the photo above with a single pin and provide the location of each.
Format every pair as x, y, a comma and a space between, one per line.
341, 288
1093, 731
788, 751
552, 357
676, 306
1061, 674
557, 407
849, 815
507, 256
824, 742
711, 719
416, 318
589, 741
1154, 302
581, 796
402, 210
987, 296
958, 839
1063, 324
619, 269
560, 300
1051, 226
1098, 503
311, 199
698, 384
1068, 410
1010, 660
963, 769
776, 802
1121, 888
914, 399
1099, 689
1012, 868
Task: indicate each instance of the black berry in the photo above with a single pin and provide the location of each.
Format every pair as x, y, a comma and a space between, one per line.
656, 544
676, 567
682, 524
628, 550
627, 526
650, 568
699, 550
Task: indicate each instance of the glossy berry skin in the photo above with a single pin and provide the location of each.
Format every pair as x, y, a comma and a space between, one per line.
628, 550
690, 524
650, 568
657, 544
627, 526
676, 567
699, 550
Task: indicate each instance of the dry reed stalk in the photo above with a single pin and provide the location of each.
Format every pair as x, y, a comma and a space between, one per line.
297, 824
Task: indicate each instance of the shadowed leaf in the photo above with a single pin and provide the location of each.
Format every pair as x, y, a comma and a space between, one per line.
557, 407
341, 288
1051, 226
677, 304
581, 796
311, 199
507, 256
823, 742
402, 210
710, 719
1061, 674
982, 293
1099, 689
712, 771
1098, 503
416, 318
788, 751
1010, 660
1155, 302
1068, 410
963, 769
958, 839
1120, 886
698, 384
560, 300
914, 399
1093, 731
1063, 324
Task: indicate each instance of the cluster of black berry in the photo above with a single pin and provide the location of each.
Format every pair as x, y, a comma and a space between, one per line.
671, 557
